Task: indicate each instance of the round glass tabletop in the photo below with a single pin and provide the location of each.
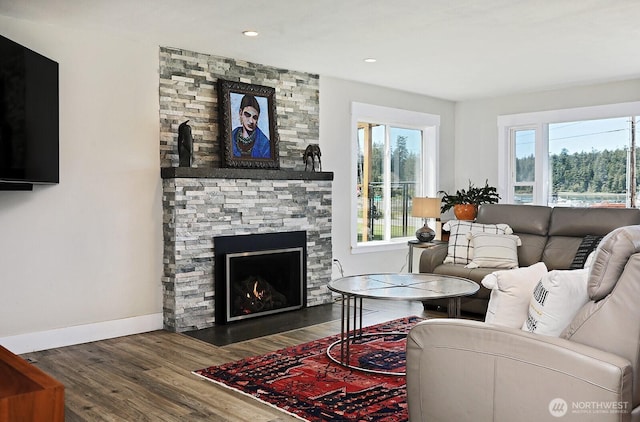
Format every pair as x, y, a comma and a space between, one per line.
411, 286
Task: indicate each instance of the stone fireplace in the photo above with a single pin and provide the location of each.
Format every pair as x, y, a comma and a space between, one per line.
202, 204
206, 201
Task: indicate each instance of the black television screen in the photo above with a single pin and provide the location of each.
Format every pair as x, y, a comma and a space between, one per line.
29, 127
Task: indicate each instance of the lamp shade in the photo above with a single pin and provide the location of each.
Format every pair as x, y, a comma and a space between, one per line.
426, 207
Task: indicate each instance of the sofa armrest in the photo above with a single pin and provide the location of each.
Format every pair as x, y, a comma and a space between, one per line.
463, 370
431, 257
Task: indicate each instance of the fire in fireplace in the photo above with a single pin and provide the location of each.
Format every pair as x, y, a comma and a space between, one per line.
258, 275
255, 294
259, 281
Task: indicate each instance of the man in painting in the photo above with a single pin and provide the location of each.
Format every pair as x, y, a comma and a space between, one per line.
247, 139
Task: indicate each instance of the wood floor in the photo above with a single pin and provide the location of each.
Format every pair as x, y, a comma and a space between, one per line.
147, 377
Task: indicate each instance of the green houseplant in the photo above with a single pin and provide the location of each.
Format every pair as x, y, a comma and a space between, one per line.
465, 202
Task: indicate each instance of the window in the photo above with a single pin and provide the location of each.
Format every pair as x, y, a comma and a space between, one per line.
395, 156
577, 157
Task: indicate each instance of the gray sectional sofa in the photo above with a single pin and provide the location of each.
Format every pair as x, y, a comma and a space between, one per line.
550, 235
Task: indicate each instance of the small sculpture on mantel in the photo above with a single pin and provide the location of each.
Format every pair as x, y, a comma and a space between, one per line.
185, 144
312, 151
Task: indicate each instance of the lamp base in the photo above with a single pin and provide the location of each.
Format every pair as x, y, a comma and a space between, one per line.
425, 234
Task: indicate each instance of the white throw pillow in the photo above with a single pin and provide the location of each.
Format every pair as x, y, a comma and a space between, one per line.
511, 293
460, 250
494, 250
555, 301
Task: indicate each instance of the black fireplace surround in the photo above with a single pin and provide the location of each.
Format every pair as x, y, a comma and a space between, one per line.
259, 274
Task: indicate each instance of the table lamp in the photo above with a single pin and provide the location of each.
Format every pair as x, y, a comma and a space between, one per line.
425, 208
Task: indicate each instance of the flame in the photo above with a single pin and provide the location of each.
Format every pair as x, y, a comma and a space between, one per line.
256, 293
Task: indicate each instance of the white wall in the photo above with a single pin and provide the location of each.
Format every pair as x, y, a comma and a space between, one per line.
89, 250
336, 97
476, 140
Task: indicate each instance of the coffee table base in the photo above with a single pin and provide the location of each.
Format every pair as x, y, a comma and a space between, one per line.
348, 334
387, 286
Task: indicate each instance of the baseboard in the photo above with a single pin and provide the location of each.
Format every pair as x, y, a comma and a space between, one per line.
61, 337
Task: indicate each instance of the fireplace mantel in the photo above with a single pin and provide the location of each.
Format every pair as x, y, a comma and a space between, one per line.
233, 173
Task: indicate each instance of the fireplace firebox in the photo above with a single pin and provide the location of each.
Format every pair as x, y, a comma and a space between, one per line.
259, 274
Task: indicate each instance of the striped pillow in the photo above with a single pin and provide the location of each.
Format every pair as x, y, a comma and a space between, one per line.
494, 250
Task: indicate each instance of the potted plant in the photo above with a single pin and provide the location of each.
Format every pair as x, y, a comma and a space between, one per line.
465, 202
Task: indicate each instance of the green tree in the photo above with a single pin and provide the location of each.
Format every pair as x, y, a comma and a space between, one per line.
594, 171
525, 169
399, 156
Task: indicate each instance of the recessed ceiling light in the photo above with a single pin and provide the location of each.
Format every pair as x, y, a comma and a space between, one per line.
250, 33
370, 60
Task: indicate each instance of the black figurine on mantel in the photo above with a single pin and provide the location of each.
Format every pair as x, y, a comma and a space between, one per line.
185, 144
313, 152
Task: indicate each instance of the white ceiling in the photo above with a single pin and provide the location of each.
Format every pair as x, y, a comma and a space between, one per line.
452, 49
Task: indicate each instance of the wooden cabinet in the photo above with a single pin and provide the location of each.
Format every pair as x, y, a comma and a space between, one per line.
27, 394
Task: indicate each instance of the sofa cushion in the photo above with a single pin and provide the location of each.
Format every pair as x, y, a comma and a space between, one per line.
530, 219
460, 249
568, 226
555, 300
511, 293
579, 222
560, 251
494, 250
474, 274
531, 249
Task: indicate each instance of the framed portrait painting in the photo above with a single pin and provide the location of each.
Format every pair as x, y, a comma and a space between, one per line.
248, 127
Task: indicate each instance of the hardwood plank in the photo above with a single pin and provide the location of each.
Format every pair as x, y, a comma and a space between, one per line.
148, 377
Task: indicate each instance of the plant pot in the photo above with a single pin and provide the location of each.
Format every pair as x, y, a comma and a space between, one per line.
465, 211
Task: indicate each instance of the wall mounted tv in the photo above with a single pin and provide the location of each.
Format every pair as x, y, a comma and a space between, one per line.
29, 125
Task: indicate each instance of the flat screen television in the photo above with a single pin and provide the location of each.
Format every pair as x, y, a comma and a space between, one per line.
29, 113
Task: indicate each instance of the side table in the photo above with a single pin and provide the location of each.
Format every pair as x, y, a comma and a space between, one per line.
415, 243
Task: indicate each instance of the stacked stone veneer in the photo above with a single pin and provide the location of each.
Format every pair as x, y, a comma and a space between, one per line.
188, 91
199, 206
197, 209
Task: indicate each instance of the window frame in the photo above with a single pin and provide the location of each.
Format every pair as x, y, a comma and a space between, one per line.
539, 121
429, 124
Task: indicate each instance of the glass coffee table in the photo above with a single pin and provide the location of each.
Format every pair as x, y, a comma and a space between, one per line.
413, 287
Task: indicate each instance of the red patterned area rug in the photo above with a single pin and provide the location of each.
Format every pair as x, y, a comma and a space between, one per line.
302, 381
